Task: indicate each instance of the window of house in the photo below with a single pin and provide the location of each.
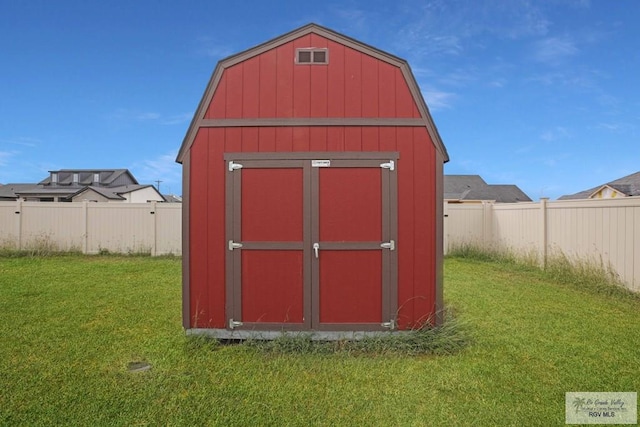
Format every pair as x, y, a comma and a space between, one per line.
312, 55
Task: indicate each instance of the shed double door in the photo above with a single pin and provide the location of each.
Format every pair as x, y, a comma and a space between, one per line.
311, 241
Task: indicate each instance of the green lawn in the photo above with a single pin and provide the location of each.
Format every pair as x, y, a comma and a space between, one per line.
71, 325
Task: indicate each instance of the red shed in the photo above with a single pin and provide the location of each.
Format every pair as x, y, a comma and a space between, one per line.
312, 193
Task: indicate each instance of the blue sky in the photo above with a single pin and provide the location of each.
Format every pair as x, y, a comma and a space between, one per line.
543, 94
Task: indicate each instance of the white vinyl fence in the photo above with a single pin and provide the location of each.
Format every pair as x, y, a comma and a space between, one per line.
605, 232
153, 228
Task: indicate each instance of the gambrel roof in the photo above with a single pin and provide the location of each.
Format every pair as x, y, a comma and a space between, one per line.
425, 116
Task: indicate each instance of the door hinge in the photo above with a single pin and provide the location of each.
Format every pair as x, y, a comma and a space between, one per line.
234, 166
233, 245
391, 165
390, 324
391, 245
234, 324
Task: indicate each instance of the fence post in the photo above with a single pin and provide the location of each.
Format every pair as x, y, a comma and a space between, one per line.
543, 231
84, 226
18, 213
154, 211
487, 225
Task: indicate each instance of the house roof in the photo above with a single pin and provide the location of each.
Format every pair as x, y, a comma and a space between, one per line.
113, 193
628, 185
8, 191
328, 34
85, 176
473, 187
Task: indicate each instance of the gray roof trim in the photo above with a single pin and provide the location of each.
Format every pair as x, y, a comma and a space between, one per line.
198, 117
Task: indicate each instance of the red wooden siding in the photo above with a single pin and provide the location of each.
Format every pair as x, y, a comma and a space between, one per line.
416, 210
352, 84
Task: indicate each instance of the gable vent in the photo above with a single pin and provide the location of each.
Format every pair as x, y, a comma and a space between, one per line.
312, 56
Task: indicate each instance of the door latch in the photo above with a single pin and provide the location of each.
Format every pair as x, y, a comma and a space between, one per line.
316, 247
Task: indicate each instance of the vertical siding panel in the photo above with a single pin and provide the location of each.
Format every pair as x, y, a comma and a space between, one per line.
388, 139
284, 139
267, 139
301, 82
424, 225
234, 91
301, 139
217, 108
353, 83
335, 139
353, 139
319, 82
404, 101
318, 139
387, 90
370, 83
370, 139
268, 84
198, 243
232, 140
406, 224
215, 260
284, 82
251, 88
250, 140
336, 80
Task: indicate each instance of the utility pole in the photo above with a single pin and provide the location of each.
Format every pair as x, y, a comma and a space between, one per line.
158, 185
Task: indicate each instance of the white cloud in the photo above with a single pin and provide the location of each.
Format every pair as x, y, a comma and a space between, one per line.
555, 134
161, 168
438, 99
554, 50
24, 141
128, 115
4, 157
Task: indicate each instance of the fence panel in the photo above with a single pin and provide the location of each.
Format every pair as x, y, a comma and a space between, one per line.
153, 228
604, 232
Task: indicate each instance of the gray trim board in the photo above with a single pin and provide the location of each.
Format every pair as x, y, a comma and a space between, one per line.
311, 122
237, 334
439, 250
186, 197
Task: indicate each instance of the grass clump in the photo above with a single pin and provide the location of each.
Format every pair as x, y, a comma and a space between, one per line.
585, 275
450, 337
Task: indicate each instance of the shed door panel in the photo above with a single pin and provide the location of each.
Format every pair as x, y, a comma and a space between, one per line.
350, 204
350, 229
272, 286
266, 223
272, 205
350, 287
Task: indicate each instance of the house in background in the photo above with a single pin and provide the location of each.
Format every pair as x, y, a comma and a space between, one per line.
627, 186
77, 185
473, 189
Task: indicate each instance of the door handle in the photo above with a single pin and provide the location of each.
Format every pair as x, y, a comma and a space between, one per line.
316, 247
